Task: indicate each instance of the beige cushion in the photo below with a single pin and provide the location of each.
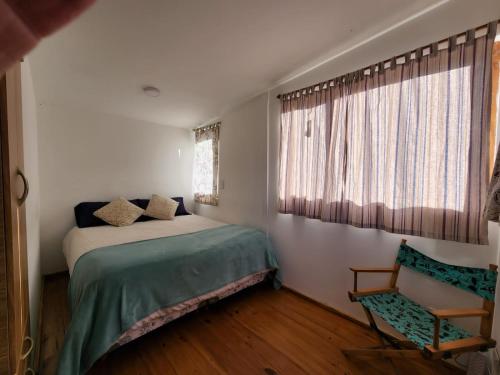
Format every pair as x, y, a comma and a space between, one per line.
161, 208
119, 212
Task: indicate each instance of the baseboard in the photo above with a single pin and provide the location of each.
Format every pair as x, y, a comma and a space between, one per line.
326, 307
357, 321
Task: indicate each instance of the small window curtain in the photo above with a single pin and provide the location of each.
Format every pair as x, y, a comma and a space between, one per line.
400, 146
206, 164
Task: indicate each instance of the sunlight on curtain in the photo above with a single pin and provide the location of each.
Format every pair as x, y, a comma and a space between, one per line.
203, 167
422, 134
403, 149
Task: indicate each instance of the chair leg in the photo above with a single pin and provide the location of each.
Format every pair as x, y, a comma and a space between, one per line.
373, 325
401, 349
384, 338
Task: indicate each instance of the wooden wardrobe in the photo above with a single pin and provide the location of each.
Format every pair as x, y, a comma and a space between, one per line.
15, 341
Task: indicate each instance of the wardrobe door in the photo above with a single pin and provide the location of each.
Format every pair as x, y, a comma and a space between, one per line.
15, 190
4, 333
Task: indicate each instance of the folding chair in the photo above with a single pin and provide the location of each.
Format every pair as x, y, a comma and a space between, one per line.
429, 333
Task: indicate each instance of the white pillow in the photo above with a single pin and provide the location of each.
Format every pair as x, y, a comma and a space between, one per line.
161, 208
119, 212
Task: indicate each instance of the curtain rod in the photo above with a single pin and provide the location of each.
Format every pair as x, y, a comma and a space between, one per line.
404, 55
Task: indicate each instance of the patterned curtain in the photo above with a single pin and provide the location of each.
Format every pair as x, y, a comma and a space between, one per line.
206, 164
403, 147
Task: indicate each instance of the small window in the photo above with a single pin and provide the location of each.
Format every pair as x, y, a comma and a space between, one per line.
206, 165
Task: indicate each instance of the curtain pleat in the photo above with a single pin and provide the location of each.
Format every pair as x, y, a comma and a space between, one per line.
403, 149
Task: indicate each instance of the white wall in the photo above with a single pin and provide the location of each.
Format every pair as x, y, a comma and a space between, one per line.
87, 156
315, 256
30, 140
242, 166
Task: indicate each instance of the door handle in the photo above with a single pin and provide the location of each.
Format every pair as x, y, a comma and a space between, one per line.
26, 187
30, 348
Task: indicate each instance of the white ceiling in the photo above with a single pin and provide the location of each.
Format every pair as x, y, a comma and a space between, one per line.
205, 56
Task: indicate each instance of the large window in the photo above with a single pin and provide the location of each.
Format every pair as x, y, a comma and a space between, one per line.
400, 146
206, 164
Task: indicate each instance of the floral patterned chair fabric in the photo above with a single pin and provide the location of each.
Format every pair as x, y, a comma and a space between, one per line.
479, 281
415, 321
428, 332
410, 318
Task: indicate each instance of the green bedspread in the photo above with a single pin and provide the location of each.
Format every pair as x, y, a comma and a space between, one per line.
113, 287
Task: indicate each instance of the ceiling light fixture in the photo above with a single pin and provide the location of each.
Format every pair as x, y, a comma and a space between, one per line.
151, 91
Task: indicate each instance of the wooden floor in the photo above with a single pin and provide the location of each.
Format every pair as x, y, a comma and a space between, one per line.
258, 331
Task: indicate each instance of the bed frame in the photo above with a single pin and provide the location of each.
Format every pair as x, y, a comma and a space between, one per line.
166, 315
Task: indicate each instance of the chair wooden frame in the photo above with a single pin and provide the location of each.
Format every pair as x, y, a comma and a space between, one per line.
391, 347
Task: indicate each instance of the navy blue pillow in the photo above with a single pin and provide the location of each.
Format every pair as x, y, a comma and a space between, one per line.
84, 212
143, 203
181, 210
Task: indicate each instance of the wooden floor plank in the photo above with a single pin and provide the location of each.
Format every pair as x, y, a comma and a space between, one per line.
56, 312
259, 331
239, 339
292, 338
330, 326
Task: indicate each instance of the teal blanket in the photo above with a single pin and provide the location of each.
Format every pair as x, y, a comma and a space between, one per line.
113, 287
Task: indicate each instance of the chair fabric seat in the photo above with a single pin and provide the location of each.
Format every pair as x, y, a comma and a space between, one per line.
410, 319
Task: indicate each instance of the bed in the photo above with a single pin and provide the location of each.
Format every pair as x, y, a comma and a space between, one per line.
128, 281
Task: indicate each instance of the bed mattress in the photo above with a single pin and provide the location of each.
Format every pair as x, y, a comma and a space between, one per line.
128, 281
80, 241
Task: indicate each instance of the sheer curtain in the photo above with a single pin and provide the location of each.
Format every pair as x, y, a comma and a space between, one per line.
403, 148
206, 165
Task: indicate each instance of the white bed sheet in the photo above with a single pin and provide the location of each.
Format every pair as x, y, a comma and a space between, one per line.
79, 241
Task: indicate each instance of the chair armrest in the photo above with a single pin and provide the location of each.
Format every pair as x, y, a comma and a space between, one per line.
452, 313
375, 270
458, 313
357, 270
469, 344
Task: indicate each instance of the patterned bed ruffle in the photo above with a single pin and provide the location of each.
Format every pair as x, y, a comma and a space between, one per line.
166, 315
